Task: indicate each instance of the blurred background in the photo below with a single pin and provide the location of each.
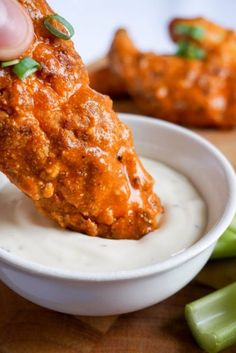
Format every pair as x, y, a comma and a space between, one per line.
95, 21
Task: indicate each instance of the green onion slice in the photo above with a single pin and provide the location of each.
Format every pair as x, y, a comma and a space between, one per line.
190, 51
194, 32
56, 32
212, 319
26, 67
9, 63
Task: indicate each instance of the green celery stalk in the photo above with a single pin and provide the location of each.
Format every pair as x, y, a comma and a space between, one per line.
233, 225
212, 319
226, 245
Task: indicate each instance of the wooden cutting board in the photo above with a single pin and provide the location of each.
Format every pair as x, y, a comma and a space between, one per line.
28, 328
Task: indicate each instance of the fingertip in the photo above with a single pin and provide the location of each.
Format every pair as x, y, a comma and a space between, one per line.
16, 30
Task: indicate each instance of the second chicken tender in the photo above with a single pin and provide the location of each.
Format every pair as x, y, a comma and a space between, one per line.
195, 87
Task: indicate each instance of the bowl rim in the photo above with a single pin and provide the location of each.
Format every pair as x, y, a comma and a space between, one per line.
206, 241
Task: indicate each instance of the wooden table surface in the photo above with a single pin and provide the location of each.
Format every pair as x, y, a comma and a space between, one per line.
28, 328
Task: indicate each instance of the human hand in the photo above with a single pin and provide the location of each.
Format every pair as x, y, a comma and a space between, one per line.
16, 30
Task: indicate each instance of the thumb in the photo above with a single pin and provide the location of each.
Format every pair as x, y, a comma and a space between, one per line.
16, 30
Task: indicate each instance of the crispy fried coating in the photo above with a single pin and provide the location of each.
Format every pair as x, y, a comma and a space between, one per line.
63, 146
105, 81
190, 92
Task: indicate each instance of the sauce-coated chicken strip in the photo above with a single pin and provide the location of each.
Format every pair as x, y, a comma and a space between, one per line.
62, 144
190, 92
105, 81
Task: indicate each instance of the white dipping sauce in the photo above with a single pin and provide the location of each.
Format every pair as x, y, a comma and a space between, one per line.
29, 235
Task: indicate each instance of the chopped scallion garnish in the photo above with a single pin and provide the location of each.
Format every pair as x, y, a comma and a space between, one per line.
9, 63
26, 67
191, 31
56, 32
190, 51
212, 319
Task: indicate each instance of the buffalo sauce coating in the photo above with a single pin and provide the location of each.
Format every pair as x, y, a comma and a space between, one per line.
62, 144
186, 91
189, 92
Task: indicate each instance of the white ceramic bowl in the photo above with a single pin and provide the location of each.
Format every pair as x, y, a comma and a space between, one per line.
125, 291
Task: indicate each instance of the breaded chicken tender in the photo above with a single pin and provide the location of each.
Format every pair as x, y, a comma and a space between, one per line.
106, 81
63, 146
196, 87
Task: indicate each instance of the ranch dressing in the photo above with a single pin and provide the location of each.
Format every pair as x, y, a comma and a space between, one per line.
29, 235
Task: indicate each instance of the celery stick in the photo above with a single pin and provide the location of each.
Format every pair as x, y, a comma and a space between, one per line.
212, 319
233, 224
226, 245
